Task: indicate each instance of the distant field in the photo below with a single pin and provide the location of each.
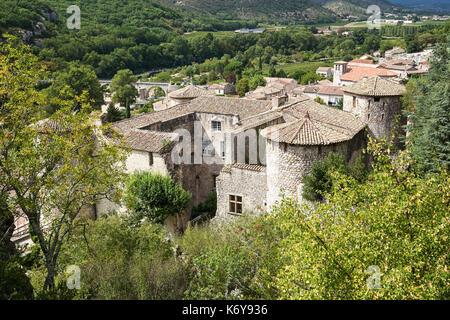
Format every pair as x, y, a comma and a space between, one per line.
217, 34
302, 66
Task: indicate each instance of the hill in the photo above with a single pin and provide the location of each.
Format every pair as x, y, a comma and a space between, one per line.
301, 10
276, 10
430, 5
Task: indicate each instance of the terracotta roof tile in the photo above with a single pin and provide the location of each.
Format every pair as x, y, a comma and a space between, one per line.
364, 61
150, 141
189, 92
316, 125
376, 87
355, 73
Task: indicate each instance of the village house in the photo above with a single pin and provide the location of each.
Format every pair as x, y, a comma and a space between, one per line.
250, 152
287, 136
327, 72
348, 73
223, 88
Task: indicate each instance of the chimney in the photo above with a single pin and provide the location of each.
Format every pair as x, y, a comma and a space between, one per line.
278, 101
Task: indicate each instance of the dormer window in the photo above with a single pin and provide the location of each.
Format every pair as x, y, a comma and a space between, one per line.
216, 126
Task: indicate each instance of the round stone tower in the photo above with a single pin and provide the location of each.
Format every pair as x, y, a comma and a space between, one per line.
376, 102
293, 147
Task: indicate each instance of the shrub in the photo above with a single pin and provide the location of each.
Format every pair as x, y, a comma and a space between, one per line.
154, 197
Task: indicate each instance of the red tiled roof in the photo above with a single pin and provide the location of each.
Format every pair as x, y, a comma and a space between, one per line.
362, 61
331, 90
355, 73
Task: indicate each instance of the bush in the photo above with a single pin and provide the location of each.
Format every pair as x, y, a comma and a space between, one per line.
209, 206
119, 261
154, 197
319, 182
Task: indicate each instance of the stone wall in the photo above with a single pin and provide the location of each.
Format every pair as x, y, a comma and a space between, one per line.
250, 184
288, 164
380, 116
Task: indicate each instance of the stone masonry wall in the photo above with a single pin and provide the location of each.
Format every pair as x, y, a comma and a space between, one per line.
249, 184
380, 116
288, 164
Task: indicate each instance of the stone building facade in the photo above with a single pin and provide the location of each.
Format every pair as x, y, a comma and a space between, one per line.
377, 103
241, 185
289, 136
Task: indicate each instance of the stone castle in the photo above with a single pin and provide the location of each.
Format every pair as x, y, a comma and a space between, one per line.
286, 135
250, 152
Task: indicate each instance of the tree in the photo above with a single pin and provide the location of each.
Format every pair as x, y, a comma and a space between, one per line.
368, 238
123, 89
242, 87
14, 283
318, 183
257, 81
72, 82
412, 43
429, 99
340, 104
121, 261
231, 78
55, 168
272, 71
113, 114
371, 43
310, 77
154, 197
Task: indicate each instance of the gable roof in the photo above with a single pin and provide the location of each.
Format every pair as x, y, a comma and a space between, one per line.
230, 106
315, 125
376, 87
363, 61
150, 141
189, 92
356, 73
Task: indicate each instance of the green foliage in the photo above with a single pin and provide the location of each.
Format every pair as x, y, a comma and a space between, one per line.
59, 173
318, 183
429, 98
154, 197
310, 77
257, 81
118, 261
122, 88
209, 206
395, 221
229, 259
74, 81
340, 104
242, 87
113, 114
319, 100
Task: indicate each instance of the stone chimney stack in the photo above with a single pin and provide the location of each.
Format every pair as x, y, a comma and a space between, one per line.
279, 101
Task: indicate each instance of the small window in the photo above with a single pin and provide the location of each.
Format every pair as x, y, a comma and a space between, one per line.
354, 101
216, 126
368, 116
376, 99
235, 204
150, 158
382, 116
